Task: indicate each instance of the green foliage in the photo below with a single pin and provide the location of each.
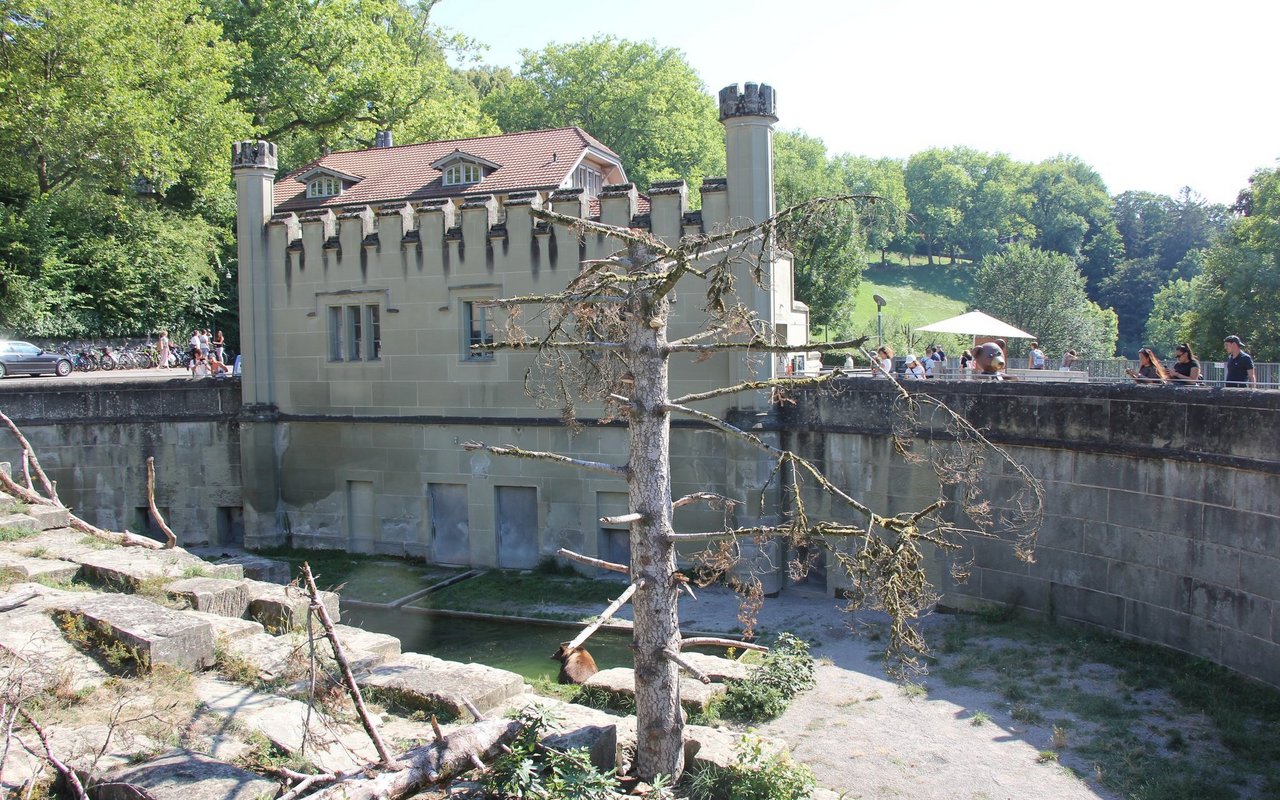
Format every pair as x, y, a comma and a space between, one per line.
528, 770
1167, 324
786, 670
938, 188
642, 100
603, 699
13, 534
1043, 293
755, 774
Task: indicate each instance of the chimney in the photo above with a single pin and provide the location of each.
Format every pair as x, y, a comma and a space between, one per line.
748, 114
382, 139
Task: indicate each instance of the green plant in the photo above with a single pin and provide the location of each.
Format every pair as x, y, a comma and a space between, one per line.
752, 701
1046, 756
8, 533
98, 642
195, 571
786, 670
39, 551
529, 770
979, 718
755, 774
9, 576
601, 698
96, 543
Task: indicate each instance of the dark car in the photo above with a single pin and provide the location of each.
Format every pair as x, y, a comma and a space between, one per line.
21, 358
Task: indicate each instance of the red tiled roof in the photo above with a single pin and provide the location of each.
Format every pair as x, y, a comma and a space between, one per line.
530, 160
642, 205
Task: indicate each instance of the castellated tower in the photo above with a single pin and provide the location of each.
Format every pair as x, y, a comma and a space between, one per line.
364, 277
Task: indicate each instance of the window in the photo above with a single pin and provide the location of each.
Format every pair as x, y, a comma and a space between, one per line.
477, 325
584, 177
355, 332
324, 186
460, 174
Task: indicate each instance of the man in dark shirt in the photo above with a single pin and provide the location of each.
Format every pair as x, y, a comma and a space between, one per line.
1239, 364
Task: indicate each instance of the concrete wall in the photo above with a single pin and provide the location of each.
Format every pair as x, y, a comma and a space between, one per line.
93, 439
1162, 505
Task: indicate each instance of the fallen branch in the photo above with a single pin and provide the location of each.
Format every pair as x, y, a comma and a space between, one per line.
430, 764
471, 707
26, 469
30, 451
349, 679
712, 641
604, 616
171, 540
711, 498
677, 659
592, 562
127, 539
516, 452
622, 519
67, 773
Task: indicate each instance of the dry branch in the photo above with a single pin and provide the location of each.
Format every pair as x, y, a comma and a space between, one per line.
764, 346
622, 519
604, 617
772, 383
26, 469
711, 498
712, 641
366, 720
127, 539
516, 452
171, 540
677, 659
67, 773
30, 453
593, 562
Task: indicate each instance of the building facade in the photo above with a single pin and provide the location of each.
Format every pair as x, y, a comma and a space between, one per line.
362, 282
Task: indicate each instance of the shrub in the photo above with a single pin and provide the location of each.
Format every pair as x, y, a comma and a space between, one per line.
786, 671
529, 770
754, 775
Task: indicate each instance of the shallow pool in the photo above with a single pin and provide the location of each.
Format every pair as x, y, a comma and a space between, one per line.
519, 647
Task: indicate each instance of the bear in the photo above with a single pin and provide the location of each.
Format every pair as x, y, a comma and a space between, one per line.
576, 665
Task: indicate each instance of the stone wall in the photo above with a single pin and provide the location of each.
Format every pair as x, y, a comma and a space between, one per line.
93, 439
1162, 505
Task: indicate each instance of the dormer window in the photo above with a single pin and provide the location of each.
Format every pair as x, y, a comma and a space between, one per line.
462, 173
589, 179
324, 186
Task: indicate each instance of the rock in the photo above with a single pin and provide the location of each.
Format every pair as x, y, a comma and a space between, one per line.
379, 644
64, 544
283, 608
49, 568
19, 522
156, 635
717, 668
274, 657
128, 568
227, 628
704, 746
87, 748
36, 651
571, 726
433, 684
49, 517
261, 569
183, 775
694, 694
226, 598
624, 745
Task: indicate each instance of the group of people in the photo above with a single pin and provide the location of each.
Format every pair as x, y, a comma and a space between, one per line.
915, 368
1185, 369
208, 353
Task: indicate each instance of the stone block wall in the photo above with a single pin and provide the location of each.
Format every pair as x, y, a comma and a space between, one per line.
93, 439
1162, 506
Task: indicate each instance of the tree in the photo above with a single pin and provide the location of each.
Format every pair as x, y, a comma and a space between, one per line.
1043, 293
996, 213
1068, 205
1238, 290
829, 252
884, 223
939, 189
328, 74
113, 94
1167, 324
643, 101
606, 340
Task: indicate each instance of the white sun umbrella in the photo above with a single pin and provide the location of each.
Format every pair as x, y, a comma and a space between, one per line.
976, 323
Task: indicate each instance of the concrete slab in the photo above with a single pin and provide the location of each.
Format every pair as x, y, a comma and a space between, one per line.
226, 598
183, 775
127, 568
694, 694
275, 657
49, 568
158, 635
49, 517
358, 639
283, 608
62, 543
429, 683
227, 628
573, 726
34, 650
19, 522
261, 569
717, 668
97, 747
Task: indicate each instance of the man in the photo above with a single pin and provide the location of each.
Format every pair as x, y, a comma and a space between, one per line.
1036, 359
1240, 370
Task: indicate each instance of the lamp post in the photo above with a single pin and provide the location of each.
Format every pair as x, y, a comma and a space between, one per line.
880, 304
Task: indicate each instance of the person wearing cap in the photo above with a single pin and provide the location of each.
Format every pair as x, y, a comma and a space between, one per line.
914, 371
1240, 371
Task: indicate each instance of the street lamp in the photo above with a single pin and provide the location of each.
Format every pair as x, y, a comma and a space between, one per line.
880, 304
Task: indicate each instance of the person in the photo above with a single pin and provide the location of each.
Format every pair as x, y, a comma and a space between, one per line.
937, 358
1240, 370
219, 347
886, 360
195, 344
848, 362
1150, 370
1036, 359
164, 349
199, 366
1068, 358
204, 342
966, 360
927, 365
914, 371
216, 368
1186, 370
938, 353
989, 359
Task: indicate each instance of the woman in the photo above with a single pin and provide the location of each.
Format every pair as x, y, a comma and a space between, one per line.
886, 360
219, 347
199, 366
966, 360
1068, 358
1186, 370
1150, 370
914, 371
164, 349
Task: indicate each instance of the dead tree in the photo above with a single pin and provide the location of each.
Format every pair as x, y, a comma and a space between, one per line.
606, 341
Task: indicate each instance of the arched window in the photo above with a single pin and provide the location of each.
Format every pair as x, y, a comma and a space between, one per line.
459, 174
324, 186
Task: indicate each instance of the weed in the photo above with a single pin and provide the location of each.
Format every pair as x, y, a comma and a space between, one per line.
549, 687
914, 691
530, 770
39, 551
9, 576
755, 774
1046, 757
264, 756
96, 543
601, 698
979, 718
1027, 715
72, 585
233, 667
9, 533
97, 641
786, 670
1059, 738
195, 571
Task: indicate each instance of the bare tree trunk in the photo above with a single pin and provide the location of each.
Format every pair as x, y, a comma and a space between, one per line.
660, 727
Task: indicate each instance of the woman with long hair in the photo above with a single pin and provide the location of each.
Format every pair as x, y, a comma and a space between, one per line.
1186, 370
1150, 370
886, 360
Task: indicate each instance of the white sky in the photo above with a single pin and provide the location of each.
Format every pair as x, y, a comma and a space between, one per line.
1154, 95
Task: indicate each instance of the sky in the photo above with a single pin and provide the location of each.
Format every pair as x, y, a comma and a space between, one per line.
1154, 95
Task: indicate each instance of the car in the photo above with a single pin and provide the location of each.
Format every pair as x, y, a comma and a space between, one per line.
24, 358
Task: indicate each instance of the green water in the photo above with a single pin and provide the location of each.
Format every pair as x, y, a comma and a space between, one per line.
519, 647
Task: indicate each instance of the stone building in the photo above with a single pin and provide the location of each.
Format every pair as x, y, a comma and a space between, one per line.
361, 278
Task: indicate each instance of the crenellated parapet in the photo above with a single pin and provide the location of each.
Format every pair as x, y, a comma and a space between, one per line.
253, 155
752, 100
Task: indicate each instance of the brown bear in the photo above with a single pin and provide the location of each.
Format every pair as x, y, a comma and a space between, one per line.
576, 665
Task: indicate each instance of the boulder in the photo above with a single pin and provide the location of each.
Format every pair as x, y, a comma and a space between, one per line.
694, 694
283, 608
19, 522
183, 775
571, 726
358, 639
53, 569
226, 598
718, 669
49, 517
433, 684
155, 635
717, 746
261, 569
128, 568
